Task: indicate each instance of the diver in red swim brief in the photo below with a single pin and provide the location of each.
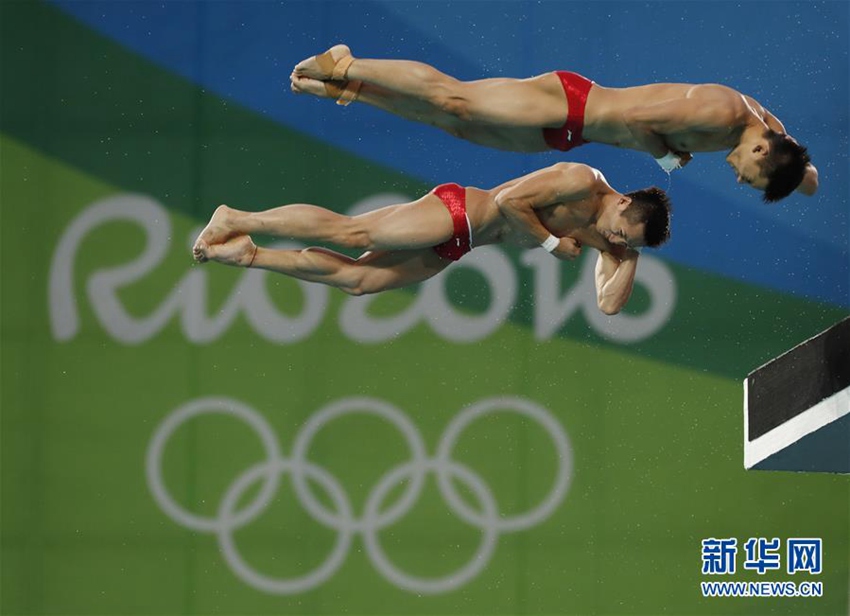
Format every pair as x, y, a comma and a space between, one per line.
569, 135
454, 198
668, 121
559, 209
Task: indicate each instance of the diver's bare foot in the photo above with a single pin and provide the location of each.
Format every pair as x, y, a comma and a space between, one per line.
218, 230
306, 85
324, 66
239, 251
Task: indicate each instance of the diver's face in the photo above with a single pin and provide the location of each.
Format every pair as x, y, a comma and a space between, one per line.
745, 161
618, 230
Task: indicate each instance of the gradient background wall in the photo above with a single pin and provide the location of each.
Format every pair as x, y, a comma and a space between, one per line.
582, 458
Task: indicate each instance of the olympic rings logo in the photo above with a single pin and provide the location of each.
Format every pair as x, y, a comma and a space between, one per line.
341, 517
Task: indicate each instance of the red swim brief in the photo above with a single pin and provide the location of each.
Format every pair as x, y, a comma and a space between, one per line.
454, 198
569, 136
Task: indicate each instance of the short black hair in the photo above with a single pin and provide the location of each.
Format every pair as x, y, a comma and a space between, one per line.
784, 166
652, 207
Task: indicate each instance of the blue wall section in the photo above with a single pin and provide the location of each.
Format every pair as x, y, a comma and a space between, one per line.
791, 56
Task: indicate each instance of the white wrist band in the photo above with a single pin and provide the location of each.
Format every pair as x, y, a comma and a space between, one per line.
551, 243
669, 161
